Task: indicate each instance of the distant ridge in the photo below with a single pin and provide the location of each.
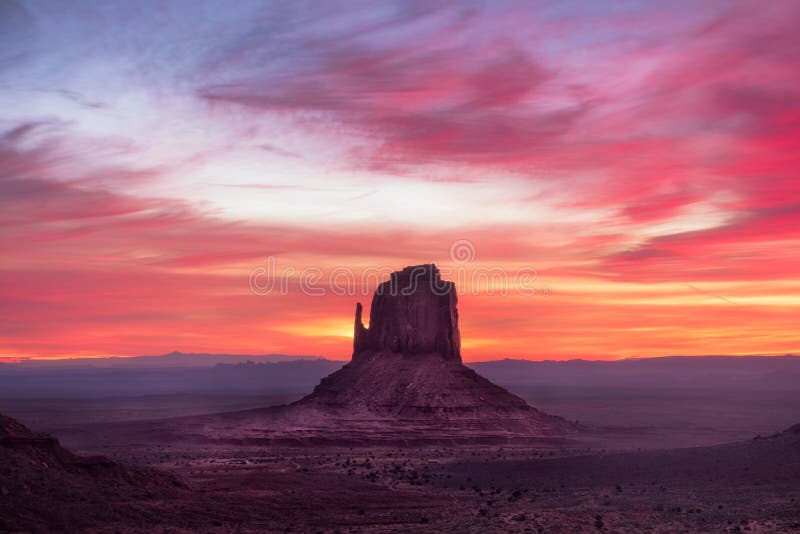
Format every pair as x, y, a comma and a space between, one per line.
193, 359
246, 374
702, 372
172, 359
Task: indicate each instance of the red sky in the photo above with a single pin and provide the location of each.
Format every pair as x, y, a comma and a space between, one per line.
642, 158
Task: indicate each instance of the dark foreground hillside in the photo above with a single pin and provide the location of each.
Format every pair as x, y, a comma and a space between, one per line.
751, 486
43, 486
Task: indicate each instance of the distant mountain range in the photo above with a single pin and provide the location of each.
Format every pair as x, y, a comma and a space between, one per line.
173, 359
695, 372
276, 373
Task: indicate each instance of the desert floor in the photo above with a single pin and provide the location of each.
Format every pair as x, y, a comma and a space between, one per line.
657, 464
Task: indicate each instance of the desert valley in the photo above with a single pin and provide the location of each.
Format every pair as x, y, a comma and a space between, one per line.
406, 438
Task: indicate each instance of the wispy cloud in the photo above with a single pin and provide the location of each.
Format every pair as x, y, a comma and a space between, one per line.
640, 155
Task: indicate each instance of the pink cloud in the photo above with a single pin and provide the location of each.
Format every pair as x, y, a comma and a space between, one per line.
663, 141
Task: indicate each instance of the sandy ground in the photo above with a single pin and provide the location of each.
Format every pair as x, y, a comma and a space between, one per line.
752, 487
604, 484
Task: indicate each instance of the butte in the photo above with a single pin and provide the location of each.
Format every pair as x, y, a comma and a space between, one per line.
405, 385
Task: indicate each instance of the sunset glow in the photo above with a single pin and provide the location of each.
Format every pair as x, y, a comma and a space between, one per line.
643, 158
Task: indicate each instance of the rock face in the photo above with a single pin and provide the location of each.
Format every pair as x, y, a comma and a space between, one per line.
414, 312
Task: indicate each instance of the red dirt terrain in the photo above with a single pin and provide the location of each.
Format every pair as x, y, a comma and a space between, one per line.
751, 486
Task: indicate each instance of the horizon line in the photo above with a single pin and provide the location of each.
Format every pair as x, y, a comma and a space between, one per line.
604, 358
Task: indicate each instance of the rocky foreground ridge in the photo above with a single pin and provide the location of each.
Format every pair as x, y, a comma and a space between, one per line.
45, 487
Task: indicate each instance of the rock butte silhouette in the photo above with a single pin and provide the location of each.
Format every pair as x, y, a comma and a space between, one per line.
408, 362
406, 381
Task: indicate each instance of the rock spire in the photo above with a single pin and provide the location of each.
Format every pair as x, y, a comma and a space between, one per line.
414, 312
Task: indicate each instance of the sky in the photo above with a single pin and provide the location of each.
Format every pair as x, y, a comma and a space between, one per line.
629, 172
